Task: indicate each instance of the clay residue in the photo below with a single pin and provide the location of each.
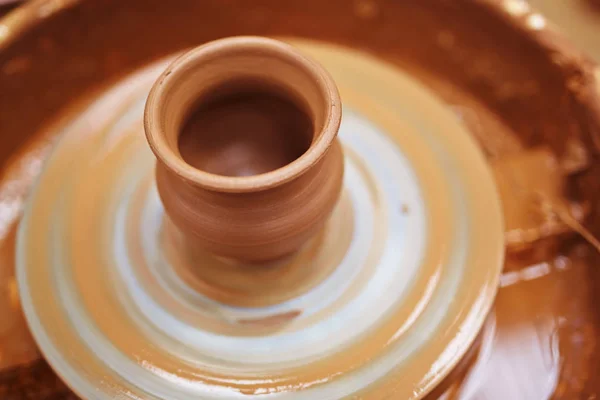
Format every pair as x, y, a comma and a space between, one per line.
272, 320
532, 187
16, 344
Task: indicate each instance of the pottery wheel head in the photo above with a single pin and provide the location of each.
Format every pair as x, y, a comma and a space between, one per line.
383, 301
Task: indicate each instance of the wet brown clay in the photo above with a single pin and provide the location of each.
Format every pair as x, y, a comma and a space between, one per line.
534, 98
244, 130
245, 134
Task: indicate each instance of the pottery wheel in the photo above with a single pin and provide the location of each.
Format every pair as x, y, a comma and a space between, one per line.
383, 302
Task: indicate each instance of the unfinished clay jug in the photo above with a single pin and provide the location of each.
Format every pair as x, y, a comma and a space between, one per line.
244, 130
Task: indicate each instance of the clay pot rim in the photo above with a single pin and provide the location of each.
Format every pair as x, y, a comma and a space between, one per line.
173, 161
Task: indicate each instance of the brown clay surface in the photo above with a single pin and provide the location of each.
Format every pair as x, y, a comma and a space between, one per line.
546, 318
246, 134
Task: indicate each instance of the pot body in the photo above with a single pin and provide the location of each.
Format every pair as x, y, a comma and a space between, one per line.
255, 226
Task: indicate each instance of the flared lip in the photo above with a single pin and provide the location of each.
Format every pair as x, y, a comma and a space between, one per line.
170, 157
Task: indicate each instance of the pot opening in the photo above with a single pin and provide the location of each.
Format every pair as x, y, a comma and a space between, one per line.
245, 128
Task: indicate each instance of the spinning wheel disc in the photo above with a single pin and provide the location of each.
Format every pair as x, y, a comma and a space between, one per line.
383, 302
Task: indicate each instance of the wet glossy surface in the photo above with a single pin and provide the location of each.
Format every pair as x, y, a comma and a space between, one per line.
554, 341
542, 340
545, 335
395, 315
